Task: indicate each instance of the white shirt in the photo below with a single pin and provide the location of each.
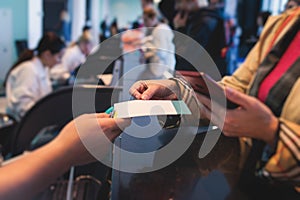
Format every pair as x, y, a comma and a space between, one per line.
72, 58
26, 84
164, 50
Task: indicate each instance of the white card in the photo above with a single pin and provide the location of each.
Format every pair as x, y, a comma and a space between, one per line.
138, 108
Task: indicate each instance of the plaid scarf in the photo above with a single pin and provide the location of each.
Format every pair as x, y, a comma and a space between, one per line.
278, 94
275, 101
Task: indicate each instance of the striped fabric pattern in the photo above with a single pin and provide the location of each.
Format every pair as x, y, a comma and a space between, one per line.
285, 164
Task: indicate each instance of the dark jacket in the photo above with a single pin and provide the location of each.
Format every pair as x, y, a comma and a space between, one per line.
206, 26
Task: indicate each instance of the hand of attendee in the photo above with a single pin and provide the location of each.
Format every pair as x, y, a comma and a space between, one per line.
252, 119
179, 20
31, 173
155, 90
88, 127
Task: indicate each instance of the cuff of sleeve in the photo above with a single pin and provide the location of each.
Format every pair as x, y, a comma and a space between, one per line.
270, 150
178, 86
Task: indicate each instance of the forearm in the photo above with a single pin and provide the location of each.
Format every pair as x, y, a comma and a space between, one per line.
31, 173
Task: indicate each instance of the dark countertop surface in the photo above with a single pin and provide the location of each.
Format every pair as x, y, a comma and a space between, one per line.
216, 176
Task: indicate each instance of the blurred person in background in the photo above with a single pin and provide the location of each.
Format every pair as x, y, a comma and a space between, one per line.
114, 28
28, 80
132, 38
146, 3
261, 21
167, 8
74, 56
63, 28
292, 4
104, 29
203, 24
86, 30
218, 5
158, 47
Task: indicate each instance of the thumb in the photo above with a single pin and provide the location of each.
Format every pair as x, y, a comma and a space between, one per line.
237, 97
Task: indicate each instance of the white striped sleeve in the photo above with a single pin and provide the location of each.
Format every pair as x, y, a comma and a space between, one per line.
187, 95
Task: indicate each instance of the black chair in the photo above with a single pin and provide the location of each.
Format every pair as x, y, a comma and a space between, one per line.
7, 127
56, 109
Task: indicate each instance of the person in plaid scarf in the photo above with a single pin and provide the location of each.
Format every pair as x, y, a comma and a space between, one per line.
266, 87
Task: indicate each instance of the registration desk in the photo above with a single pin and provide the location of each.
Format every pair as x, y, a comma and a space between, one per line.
216, 176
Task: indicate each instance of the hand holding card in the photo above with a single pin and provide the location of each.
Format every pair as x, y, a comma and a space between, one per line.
138, 108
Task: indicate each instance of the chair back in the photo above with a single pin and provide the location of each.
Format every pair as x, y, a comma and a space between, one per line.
7, 127
56, 109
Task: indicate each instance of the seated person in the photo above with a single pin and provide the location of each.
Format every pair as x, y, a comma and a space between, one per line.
28, 80
266, 89
158, 47
73, 57
30, 173
132, 38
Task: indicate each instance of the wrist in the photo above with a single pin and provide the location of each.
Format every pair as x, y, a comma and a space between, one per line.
273, 131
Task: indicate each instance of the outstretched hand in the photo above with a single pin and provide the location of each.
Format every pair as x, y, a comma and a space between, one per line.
30, 173
155, 90
251, 119
89, 127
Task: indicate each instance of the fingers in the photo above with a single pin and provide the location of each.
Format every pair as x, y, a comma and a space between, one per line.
141, 90
234, 130
102, 115
137, 89
115, 124
204, 100
149, 93
134, 92
205, 112
112, 124
237, 97
213, 117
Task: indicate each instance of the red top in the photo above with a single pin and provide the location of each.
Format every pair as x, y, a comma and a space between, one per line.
289, 57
